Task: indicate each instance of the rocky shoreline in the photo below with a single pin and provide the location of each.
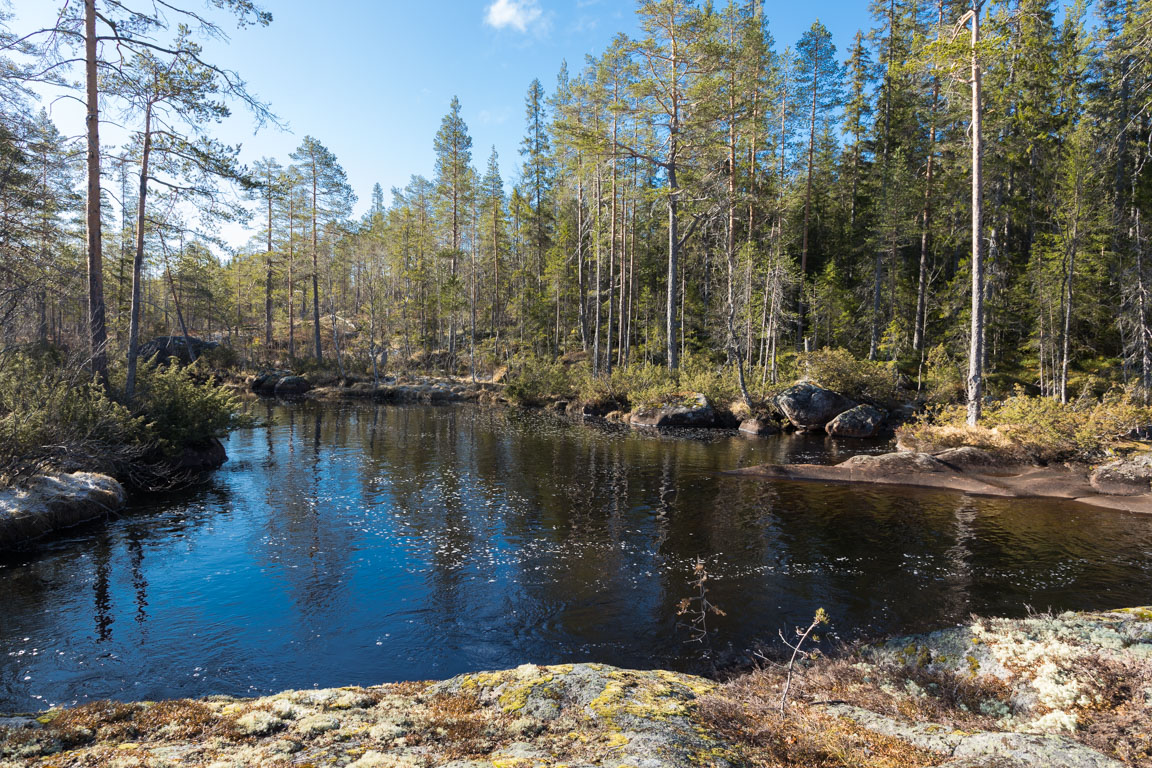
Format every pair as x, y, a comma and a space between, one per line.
1073, 690
54, 501
1120, 485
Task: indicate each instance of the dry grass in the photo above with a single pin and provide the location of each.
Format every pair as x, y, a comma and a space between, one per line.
807, 738
459, 726
116, 721
1119, 720
1118, 723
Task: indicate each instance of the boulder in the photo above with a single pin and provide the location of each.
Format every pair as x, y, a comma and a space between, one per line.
202, 457
759, 427
181, 348
810, 407
690, 409
48, 503
861, 421
292, 386
266, 381
1124, 477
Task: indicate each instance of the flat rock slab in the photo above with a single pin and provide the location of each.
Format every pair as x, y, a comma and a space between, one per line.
528, 717
968, 474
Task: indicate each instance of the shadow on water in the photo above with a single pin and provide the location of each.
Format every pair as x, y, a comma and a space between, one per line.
347, 544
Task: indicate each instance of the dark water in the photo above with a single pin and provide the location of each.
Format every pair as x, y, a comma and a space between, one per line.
360, 544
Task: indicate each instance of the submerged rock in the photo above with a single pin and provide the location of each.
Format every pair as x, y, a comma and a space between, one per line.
861, 421
895, 463
810, 407
52, 502
690, 409
760, 427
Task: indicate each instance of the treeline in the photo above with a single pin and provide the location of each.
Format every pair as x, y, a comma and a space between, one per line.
694, 191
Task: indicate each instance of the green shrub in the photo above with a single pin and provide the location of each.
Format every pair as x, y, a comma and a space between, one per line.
221, 358
534, 381
51, 416
181, 411
943, 377
867, 380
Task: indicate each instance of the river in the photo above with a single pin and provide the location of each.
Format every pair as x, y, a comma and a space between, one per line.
358, 544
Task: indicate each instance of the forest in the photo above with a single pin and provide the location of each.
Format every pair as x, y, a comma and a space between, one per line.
959, 192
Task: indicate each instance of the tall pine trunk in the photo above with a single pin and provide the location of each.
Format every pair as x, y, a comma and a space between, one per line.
97, 329
976, 340
138, 261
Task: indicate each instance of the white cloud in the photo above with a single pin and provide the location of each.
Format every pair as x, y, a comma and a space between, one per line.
520, 14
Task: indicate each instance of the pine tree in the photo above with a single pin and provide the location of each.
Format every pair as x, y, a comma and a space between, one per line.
453, 147
329, 198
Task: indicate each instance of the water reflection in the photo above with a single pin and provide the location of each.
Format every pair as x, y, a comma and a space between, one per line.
359, 544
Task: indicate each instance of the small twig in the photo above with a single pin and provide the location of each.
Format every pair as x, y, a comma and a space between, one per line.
820, 618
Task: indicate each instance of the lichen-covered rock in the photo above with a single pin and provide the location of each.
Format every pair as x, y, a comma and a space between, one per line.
810, 407
1124, 477
1046, 670
690, 409
259, 722
861, 421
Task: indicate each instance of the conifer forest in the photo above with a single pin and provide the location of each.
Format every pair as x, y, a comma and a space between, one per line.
963, 186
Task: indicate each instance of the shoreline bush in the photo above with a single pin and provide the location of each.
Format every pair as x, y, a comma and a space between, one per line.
52, 417
1034, 427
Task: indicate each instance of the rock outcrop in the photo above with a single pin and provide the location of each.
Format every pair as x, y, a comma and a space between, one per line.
810, 407
689, 409
52, 502
182, 348
974, 471
1066, 691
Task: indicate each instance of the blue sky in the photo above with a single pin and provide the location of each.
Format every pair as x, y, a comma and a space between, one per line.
372, 79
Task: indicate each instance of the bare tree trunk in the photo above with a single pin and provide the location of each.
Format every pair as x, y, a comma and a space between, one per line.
583, 302
1143, 331
138, 260
291, 265
315, 275
976, 341
97, 330
807, 197
268, 277
596, 251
